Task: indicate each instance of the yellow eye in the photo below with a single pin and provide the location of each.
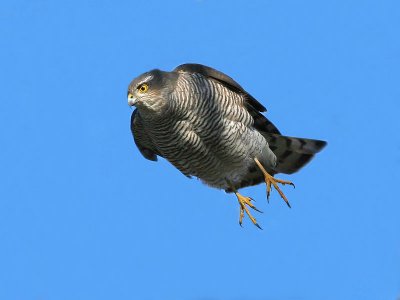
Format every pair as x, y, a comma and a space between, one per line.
143, 88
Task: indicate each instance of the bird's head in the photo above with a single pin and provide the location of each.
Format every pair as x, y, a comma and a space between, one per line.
150, 90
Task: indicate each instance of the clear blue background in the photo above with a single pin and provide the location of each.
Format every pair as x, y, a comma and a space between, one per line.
84, 216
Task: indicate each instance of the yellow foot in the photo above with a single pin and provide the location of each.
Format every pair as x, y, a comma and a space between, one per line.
244, 202
270, 180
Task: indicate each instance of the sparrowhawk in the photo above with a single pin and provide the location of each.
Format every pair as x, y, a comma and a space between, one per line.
208, 126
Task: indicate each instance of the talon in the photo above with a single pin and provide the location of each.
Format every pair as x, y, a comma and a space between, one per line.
270, 180
256, 209
244, 202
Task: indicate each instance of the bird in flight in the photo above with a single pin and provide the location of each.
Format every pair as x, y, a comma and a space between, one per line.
206, 125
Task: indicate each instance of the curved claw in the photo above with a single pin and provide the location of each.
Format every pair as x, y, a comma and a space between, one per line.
244, 202
259, 227
272, 181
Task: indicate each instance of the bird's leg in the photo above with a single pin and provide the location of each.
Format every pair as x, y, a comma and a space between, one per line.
270, 180
244, 202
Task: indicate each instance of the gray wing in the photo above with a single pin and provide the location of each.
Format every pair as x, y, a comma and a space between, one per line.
254, 107
141, 138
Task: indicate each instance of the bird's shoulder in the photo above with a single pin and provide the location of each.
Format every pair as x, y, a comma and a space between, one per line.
252, 105
223, 79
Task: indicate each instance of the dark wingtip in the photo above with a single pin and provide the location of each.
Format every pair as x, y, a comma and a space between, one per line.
320, 144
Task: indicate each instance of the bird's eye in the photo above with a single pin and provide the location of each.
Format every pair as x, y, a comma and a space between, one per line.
143, 88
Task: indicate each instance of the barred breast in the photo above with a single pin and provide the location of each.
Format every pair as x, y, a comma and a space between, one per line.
207, 132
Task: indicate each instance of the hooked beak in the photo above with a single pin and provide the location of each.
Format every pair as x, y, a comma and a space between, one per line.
131, 99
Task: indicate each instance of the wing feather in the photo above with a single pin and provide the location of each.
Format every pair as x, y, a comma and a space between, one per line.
141, 138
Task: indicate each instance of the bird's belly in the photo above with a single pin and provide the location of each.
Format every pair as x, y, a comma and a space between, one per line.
220, 158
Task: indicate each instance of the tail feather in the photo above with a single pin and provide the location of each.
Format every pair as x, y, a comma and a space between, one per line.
292, 153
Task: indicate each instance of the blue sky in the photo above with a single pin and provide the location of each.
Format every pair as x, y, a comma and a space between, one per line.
84, 216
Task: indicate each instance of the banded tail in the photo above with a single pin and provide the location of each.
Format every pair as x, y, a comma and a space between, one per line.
292, 153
